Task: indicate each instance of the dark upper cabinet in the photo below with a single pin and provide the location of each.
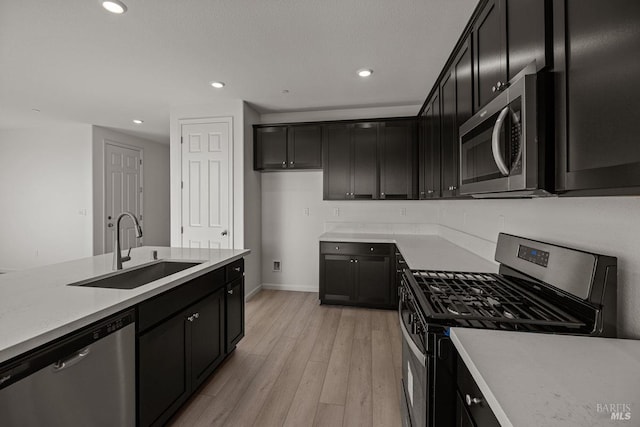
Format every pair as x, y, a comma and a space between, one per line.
398, 163
596, 67
508, 35
364, 161
337, 162
457, 107
270, 147
429, 149
304, 147
288, 147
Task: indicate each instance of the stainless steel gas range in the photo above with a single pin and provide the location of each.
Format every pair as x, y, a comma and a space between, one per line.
540, 287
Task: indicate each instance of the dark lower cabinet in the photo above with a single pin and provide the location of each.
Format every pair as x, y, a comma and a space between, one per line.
206, 333
183, 335
472, 408
162, 371
597, 91
234, 309
463, 419
357, 274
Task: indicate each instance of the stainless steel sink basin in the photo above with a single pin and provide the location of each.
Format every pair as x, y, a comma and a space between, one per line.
136, 276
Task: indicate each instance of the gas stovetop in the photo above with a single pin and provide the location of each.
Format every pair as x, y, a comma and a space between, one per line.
486, 300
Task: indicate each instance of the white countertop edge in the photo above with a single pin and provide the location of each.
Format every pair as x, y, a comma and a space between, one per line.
493, 403
157, 287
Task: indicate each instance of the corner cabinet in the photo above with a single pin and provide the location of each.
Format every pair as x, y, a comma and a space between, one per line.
359, 274
285, 147
597, 95
183, 335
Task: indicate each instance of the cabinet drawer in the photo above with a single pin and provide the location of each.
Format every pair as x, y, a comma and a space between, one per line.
473, 399
355, 248
234, 270
165, 305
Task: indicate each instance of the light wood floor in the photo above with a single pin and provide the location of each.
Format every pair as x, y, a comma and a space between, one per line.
303, 364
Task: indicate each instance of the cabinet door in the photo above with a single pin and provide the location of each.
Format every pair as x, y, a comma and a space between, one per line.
457, 107
206, 327
597, 95
162, 371
234, 309
397, 159
270, 147
429, 155
304, 147
489, 53
373, 280
526, 31
364, 177
336, 278
463, 419
336, 164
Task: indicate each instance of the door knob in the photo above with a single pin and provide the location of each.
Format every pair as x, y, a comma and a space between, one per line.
224, 233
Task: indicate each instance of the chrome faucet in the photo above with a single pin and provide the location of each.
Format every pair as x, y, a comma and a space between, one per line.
118, 259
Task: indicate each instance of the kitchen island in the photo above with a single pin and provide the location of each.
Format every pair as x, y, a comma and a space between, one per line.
37, 306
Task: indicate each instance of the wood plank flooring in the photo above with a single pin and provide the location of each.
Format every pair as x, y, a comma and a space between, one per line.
303, 364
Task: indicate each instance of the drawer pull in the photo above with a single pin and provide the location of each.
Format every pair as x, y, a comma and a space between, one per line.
230, 291
371, 249
237, 269
472, 400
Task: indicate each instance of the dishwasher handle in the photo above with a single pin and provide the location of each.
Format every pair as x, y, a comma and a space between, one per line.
75, 358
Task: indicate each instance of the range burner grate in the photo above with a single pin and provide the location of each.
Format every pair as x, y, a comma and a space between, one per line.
487, 300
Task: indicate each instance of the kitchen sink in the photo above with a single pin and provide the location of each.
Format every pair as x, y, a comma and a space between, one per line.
136, 276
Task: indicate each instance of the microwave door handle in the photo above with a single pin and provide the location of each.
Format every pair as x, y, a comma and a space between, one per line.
495, 142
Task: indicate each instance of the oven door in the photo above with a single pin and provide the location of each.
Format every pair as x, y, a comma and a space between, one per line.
494, 152
414, 362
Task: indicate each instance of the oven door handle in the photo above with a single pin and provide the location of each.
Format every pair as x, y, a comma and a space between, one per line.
495, 142
412, 345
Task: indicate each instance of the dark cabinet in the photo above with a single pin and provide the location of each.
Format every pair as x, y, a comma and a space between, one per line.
183, 335
162, 368
463, 419
597, 93
370, 160
429, 149
288, 147
234, 308
457, 107
398, 162
206, 332
472, 408
357, 274
507, 36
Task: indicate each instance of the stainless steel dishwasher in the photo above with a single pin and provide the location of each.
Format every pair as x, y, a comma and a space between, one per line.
87, 379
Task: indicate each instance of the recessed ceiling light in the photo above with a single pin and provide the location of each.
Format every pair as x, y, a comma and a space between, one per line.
35, 110
138, 121
218, 85
365, 72
114, 6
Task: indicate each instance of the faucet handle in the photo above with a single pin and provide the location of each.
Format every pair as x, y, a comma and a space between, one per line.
128, 257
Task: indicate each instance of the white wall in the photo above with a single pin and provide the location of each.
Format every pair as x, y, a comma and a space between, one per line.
245, 183
45, 186
155, 181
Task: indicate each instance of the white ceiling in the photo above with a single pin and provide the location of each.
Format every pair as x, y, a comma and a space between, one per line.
78, 63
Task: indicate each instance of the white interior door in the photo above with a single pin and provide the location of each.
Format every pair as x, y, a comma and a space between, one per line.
207, 169
123, 192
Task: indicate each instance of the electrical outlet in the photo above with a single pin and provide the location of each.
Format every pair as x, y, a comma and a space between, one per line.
277, 265
464, 218
336, 211
403, 212
501, 222
306, 211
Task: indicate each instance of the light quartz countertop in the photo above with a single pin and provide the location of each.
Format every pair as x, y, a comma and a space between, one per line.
544, 380
429, 252
37, 306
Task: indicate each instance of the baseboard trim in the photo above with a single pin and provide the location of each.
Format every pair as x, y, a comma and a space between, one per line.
295, 288
253, 293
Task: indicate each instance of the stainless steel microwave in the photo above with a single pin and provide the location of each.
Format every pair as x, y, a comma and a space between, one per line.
502, 151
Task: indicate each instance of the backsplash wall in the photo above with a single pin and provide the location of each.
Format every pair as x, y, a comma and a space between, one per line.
607, 225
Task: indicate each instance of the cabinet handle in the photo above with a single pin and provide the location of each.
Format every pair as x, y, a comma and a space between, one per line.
190, 318
472, 401
356, 260
382, 195
346, 194
284, 164
350, 260
371, 249
337, 248
237, 269
196, 315
291, 163
230, 291
453, 187
430, 192
493, 89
